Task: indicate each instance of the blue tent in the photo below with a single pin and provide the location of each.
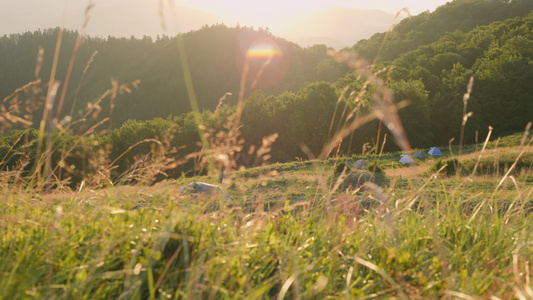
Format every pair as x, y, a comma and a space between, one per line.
434, 151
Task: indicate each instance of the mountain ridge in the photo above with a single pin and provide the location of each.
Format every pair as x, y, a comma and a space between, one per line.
138, 20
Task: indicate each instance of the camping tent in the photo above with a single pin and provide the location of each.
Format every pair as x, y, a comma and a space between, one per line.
360, 164
420, 154
196, 188
406, 159
434, 151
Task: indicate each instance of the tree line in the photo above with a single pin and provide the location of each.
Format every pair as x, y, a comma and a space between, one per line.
427, 28
214, 55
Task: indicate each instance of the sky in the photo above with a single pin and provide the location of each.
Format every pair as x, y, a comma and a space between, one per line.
269, 10
146, 17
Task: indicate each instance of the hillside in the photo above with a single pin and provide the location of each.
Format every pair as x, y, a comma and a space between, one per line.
497, 56
215, 57
426, 28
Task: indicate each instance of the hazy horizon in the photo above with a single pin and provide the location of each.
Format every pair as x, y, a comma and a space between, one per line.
306, 23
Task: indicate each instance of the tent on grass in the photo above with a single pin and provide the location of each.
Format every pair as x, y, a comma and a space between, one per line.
434, 151
406, 159
360, 164
420, 154
197, 188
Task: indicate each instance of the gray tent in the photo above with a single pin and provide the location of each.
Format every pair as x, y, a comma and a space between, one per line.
197, 187
420, 154
360, 164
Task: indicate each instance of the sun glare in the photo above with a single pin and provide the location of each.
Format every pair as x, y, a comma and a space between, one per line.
263, 50
263, 62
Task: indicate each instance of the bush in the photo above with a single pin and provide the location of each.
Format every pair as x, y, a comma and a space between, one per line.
339, 167
133, 132
69, 154
375, 168
452, 167
357, 178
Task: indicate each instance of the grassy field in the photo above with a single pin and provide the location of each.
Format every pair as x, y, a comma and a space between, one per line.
287, 233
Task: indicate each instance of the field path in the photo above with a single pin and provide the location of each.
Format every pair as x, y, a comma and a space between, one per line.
414, 171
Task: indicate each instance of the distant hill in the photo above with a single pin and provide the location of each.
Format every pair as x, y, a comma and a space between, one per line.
107, 18
335, 27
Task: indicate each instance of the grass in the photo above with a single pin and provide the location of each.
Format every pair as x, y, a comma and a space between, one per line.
147, 241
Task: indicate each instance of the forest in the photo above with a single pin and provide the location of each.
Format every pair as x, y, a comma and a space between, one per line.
123, 91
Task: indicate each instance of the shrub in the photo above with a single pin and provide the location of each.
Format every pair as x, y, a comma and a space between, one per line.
452, 167
339, 167
375, 168
357, 178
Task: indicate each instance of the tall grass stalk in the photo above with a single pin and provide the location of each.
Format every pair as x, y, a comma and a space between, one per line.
466, 115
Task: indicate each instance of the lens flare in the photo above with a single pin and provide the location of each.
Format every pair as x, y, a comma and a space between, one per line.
263, 50
262, 60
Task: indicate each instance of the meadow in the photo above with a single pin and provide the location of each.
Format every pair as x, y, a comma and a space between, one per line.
287, 233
